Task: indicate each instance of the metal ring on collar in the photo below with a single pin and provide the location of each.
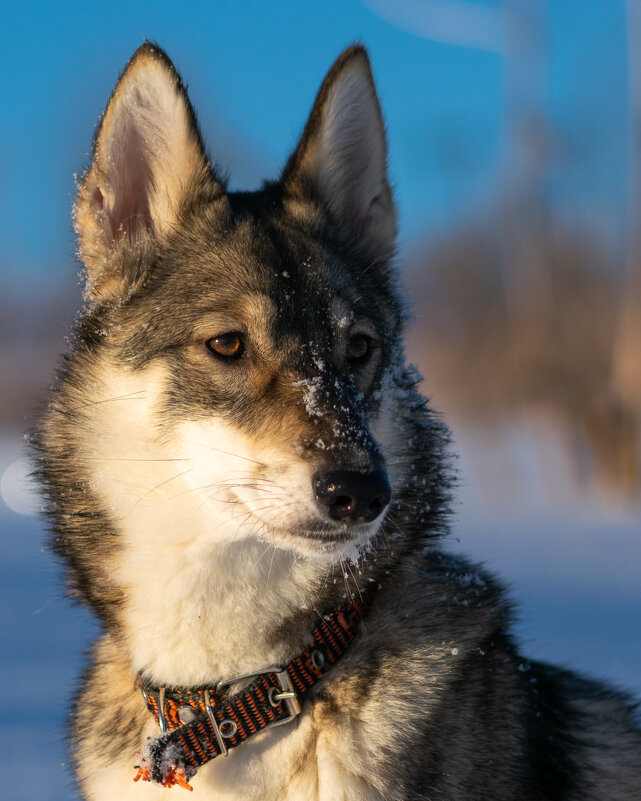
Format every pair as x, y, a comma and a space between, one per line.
227, 728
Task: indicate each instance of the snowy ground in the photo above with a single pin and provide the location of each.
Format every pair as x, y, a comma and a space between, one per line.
573, 568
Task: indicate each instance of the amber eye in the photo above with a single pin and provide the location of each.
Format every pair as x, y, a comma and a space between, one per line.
358, 346
229, 346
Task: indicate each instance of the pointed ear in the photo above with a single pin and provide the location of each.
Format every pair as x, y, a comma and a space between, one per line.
148, 162
342, 156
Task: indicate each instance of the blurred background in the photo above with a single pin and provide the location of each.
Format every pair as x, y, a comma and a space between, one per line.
515, 149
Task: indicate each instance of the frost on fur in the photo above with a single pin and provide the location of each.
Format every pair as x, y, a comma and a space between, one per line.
210, 509
163, 764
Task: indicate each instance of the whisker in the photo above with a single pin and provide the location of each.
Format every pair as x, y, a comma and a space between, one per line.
269, 572
362, 273
358, 590
324, 584
264, 552
227, 453
345, 581
131, 396
222, 485
123, 459
162, 484
291, 567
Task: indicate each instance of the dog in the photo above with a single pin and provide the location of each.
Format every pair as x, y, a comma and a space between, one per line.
251, 494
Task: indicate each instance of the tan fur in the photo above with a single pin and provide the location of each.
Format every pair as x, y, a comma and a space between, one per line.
167, 163
337, 750
354, 187
189, 491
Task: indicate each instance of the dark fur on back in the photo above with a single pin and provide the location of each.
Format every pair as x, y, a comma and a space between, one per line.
182, 483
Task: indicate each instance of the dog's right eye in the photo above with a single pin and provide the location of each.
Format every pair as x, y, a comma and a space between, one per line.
229, 346
358, 347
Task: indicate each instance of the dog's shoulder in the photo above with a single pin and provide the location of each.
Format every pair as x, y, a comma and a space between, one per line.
441, 591
435, 616
601, 726
470, 711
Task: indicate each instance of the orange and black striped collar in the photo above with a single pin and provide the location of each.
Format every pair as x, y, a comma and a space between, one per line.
200, 724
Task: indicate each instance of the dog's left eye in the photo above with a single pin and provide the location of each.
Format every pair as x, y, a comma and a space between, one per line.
358, 347
229, 346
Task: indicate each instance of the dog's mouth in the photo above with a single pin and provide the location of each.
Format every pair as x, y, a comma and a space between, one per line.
315, 538
311, 536
344, 512
328, 511
316, 532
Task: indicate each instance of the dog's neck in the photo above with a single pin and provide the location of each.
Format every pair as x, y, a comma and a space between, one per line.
205, 598
205, 594
223, 611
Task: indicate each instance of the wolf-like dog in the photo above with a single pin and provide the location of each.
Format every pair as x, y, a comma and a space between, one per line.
237, 459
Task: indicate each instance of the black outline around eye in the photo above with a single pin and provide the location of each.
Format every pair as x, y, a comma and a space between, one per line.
368, 352
227, 358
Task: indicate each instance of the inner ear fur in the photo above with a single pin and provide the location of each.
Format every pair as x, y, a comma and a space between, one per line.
148, 163
341, 158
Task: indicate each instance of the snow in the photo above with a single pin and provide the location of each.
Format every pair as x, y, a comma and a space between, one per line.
312, 388
572, 563
43, 643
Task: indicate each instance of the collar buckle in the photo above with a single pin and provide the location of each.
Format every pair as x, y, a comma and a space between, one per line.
287, 694
281, 688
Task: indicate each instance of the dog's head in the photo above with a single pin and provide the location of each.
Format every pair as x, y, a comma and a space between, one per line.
239, 363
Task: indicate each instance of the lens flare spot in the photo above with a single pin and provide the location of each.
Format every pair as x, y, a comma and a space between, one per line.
18, 490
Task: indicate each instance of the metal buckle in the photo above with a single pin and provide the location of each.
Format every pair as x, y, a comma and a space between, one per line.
161, 710
162, 721
215, 726
287, 694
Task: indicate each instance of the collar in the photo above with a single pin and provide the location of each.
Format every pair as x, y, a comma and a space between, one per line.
200, 724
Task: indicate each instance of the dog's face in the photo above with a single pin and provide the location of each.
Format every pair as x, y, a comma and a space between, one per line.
242, 349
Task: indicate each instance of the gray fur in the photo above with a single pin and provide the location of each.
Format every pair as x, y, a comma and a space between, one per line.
432, 701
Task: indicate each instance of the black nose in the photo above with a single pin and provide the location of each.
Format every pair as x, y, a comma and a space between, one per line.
352, 497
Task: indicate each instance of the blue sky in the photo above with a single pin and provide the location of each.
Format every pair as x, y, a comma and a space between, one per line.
253, 69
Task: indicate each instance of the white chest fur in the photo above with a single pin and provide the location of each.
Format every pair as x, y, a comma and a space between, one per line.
305, 762
201, 584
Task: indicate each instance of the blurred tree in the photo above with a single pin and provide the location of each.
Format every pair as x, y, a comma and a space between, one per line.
518, 312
